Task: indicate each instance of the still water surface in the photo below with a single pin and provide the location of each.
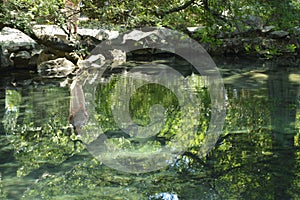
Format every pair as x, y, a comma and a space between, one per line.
257, 155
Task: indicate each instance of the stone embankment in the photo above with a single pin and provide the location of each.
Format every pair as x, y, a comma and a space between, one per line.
19, 51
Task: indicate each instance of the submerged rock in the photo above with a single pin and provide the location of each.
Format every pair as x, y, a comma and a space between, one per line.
58, 68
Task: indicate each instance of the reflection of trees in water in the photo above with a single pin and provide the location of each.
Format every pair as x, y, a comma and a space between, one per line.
248, 162
283, 100
38, 126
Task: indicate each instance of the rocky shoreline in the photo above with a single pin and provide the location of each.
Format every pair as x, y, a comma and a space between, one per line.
19, 51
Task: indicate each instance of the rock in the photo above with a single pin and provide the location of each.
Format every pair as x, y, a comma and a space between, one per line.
118, 57
267, 29
46, 55
115, 55
54, 30
35, 54
268, 43
48, 30
21, 59
255, 22
13, 41
89, 42
279, 34
296, 31
133, 42
62, 37
95, 61
99, 34
112, 34
73, 57
58, 68
96, 33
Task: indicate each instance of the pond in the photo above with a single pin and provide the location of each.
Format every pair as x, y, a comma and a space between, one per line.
123, 135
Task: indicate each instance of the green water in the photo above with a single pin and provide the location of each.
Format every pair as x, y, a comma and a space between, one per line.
257, 156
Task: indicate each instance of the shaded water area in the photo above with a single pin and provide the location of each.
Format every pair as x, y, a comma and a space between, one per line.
257, 156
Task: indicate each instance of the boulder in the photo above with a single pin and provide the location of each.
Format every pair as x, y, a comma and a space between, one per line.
54, 30
21, 59
73, 57
46, 55
58, 68
14, 40
267, 29
99, 34
14, 44
49, 30
113, 56
94, 61
35, 54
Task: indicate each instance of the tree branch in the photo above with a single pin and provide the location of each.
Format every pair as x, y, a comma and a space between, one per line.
176, 9
51, 42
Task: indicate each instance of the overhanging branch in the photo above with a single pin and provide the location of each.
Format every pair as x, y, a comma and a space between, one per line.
176, 9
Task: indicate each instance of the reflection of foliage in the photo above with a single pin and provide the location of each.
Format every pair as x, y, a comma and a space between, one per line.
245, 149
2, 193
178, 130
101, 182
40, 135
48, 144
105, 183
297, 126
242, 165
102, 106
13, 100
147, 96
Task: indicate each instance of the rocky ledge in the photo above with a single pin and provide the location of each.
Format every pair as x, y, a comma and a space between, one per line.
17, 50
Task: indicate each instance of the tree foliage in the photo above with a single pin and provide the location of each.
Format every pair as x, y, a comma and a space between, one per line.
175, 13
217, 18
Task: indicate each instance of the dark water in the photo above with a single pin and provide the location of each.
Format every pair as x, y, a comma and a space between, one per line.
257, 156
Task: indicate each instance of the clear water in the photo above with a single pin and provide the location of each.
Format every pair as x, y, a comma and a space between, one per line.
257, 156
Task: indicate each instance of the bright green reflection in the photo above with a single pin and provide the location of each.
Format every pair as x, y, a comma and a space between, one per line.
140, 103
37, 126
256, 157
147, 96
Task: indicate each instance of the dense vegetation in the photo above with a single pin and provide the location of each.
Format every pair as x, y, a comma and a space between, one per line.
174, 14
218, 19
